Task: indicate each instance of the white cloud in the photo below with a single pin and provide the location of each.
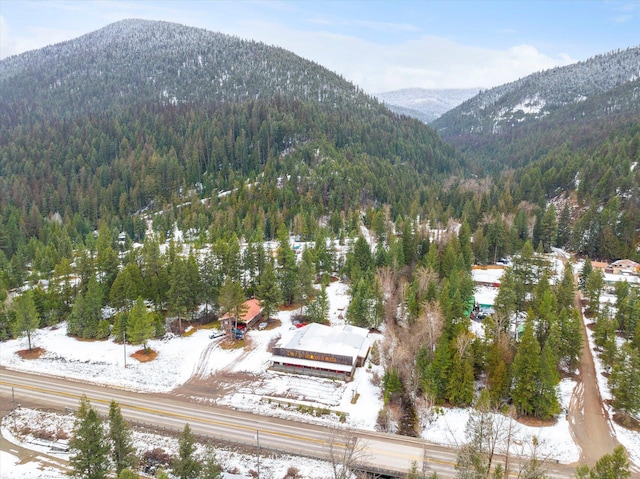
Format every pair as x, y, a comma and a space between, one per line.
30, 39
428, 62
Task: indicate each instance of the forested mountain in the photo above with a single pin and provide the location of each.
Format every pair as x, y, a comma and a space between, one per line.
425, 104
518, 122
560, 89
137, 62
148, 114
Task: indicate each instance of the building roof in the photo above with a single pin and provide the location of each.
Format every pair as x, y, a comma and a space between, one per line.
610, 278
253, 310
487, 275
485, 295
625, 263
349, 341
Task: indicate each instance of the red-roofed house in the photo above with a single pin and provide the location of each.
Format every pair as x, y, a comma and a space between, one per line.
249, 319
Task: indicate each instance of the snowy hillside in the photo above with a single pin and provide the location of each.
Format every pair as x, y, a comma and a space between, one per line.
603, 85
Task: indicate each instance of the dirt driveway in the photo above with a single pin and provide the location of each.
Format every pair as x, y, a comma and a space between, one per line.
588, 419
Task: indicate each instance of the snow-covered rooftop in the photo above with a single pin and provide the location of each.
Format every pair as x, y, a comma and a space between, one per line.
345, 340
487, 274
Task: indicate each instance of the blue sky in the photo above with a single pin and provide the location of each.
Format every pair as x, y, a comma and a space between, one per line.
379, 45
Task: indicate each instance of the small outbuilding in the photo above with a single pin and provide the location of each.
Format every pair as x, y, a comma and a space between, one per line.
318, 350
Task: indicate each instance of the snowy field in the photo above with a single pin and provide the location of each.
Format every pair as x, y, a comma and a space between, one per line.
180, 358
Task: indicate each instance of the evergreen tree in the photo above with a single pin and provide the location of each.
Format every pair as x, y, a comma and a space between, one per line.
460, 384
585, 272
543, 308
210, 468
506, 300
549, 229
435, 377
464, 238
365, 309
563, 237
609, 466
27, 319
546, 400
391, 385
122, 450
525, 371
565, 291
288, 269
180, 289
250, 267
479, 246
570, 337
154, 273
88, 445
625, 381
86, 312
362, 257
127, 286
106, 259
593, 289
524, 275
324, 254
140, 325
409, 243
475, 457
358, 309
268, 291
432, 260
318, 310
497, 370
305, 279
64, 272
186, 466
212, 278
232, 299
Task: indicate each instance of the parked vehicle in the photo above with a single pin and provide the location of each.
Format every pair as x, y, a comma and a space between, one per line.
237, 333
217, 333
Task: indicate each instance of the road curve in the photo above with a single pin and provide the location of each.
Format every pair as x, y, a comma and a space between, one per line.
379, 450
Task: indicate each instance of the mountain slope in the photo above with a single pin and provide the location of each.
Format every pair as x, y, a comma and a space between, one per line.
143, 114
497, 123
138, 61
542, 93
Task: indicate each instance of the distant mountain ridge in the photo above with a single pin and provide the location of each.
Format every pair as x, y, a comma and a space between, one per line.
560, 91
423, 103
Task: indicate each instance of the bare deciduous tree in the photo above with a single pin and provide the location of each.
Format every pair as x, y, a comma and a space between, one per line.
346, 453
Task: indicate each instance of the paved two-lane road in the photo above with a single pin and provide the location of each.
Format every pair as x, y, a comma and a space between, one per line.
383, 451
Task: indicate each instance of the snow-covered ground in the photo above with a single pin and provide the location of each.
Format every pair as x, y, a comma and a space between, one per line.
179, 358
235, 465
